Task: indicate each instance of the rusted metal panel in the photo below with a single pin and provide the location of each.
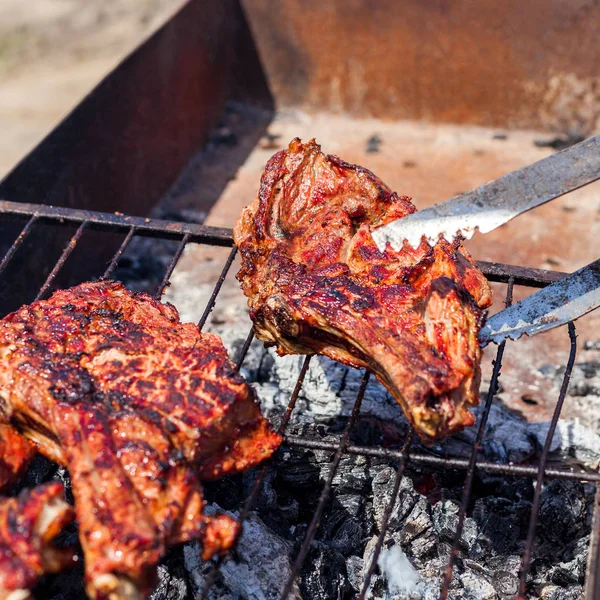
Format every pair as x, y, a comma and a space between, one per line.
509, 64
125, 143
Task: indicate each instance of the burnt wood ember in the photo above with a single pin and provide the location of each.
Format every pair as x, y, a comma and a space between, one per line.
138, 407
28, 525
316, 283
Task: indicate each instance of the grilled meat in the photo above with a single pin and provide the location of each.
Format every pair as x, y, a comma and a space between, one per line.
139, 407
15, 454
28, 526
316, 283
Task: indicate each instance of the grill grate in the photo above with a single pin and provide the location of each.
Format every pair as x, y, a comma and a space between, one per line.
512, 275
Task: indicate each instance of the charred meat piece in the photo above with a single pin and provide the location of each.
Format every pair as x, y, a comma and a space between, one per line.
28, 526
15, 454
316, 283
139, 407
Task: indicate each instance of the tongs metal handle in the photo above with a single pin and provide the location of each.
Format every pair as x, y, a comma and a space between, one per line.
494, 203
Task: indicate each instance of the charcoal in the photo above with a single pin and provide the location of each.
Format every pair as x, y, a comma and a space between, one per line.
477, 587
172, 580
259, 567
514, 489
352, 475
289, 509
573, 567
505, 574
354, 572
552, 592
340, 531
445, 521
67, 585
418, 534
267, 496
226, 492
352, 503
367, 432
562, 511
417, 521
324, 576
298, 470
499, 522
377, 586
423, 546
382, 485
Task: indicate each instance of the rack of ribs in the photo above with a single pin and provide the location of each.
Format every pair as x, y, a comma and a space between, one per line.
317, 284
140, 408
28, 525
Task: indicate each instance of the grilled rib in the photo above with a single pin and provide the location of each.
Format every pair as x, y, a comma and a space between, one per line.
316, 283
139, 407
15, 454
28, 526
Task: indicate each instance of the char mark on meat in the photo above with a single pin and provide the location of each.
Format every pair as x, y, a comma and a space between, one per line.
317, 283
140, 408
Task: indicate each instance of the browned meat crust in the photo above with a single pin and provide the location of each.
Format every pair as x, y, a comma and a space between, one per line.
15, 454
138, 407
316, 283
28, 526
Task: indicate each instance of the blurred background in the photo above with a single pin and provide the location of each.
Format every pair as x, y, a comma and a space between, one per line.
53, 52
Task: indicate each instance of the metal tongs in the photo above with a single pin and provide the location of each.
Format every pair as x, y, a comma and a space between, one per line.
487, 207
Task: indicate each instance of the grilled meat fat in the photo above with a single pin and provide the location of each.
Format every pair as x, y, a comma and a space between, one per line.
139, 407
317, 284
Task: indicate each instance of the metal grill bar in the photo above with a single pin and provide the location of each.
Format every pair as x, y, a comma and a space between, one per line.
386, 514
537, 496
165, 281
212, 576
17, 243
473, 460
314, 524
247, 343
115, 259
218, 236
443, 462
61, 261
217, 288
117, 222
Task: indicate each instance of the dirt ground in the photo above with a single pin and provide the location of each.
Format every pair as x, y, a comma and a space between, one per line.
53, 52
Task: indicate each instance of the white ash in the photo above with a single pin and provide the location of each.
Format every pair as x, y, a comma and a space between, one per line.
258, 570
401, 577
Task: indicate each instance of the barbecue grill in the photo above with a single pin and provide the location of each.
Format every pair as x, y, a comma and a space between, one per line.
185, 233
76, 216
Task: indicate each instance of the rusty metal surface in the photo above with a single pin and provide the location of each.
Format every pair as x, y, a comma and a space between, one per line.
125, 143
493, 204
513, 63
